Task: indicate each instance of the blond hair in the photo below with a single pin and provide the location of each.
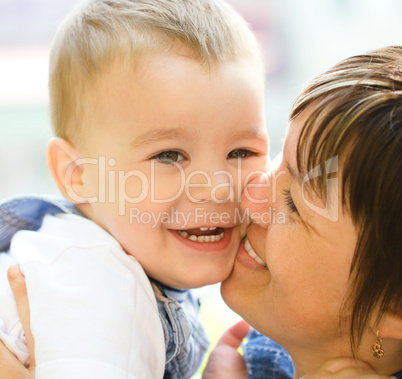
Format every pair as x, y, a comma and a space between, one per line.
104, 32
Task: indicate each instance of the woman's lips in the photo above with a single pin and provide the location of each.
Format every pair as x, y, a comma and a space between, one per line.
249, 261
252, 253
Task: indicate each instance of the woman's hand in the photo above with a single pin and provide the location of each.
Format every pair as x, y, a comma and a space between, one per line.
344, 368
225, 361
10, 366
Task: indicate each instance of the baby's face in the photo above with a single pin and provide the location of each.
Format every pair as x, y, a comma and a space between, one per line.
175, 145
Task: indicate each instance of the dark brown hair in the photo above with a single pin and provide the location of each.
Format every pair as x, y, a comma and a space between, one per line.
357, 113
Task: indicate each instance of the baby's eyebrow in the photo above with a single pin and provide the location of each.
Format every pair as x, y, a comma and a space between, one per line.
158, 135
251, 134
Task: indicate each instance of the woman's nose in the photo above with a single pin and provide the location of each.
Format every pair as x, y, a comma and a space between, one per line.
256, 199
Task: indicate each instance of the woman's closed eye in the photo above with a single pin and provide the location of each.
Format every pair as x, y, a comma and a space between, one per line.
169, 156
289, 201
240, 153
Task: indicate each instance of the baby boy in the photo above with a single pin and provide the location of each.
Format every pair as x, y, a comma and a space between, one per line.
158, 112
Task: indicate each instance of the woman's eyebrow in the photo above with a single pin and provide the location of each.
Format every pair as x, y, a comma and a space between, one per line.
294, 174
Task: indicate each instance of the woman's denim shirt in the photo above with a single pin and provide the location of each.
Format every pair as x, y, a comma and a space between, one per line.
265, 359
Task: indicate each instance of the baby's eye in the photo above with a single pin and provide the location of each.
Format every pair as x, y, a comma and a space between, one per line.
240, 153
169, 156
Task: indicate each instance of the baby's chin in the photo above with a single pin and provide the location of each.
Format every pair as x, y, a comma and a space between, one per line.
213, 279
199, 281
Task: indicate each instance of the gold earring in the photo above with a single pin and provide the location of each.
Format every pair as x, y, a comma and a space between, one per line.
377, 349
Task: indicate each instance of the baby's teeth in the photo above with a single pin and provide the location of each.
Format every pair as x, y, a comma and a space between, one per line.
218, 237
212, 238
206, 228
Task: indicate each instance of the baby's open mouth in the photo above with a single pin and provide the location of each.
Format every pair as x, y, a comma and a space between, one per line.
204, 234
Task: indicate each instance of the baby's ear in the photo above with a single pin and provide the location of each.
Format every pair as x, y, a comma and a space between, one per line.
391, 325
63, 162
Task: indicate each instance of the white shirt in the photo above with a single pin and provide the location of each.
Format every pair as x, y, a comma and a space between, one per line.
93, 310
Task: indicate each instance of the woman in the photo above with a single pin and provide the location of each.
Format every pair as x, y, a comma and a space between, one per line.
328, 279
321, 275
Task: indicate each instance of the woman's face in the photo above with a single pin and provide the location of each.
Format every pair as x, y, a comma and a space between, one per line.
297, 298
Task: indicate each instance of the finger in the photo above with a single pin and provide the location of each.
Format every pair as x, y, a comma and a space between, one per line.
341, 363
359, 373
234, 335
10, 366
18, 286
370, 376
345, 367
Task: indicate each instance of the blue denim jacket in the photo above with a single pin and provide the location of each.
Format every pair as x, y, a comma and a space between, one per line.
185, 339
265, 359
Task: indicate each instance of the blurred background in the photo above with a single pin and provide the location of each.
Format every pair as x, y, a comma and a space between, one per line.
300, 39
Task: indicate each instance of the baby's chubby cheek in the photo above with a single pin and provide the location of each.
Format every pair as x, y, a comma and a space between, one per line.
166, 187
132, 187
256, 194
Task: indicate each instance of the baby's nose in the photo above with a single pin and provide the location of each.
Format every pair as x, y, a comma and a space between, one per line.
204, 187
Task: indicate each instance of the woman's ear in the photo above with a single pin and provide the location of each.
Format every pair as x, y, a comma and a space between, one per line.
68, 174
391, 325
